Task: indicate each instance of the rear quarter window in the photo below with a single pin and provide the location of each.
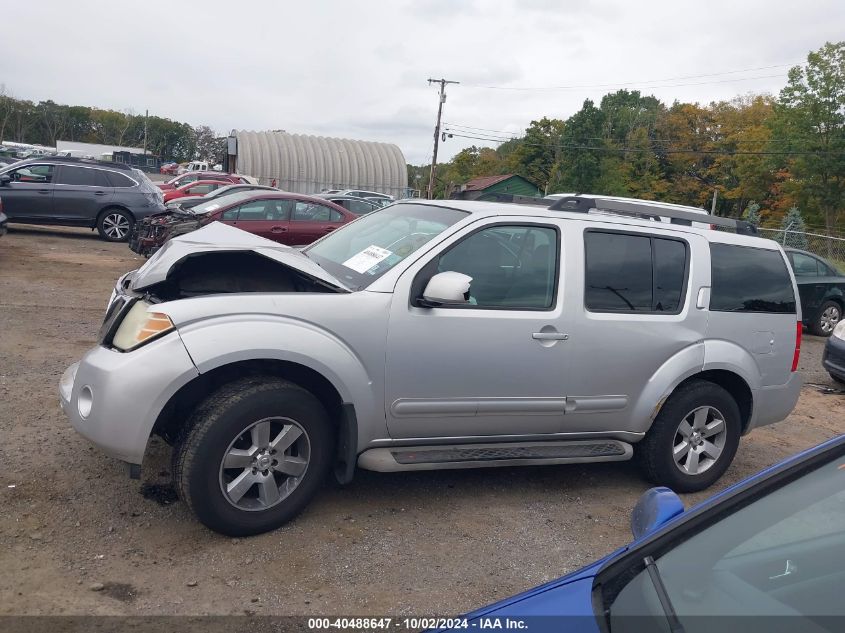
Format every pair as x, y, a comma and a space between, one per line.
748, 279
119, 180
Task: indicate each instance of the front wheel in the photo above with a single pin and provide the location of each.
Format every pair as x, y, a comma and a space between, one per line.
693, 439
114, 225
253, 456
829, 315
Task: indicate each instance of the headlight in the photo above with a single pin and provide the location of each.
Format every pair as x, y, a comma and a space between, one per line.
839, 330
140, 326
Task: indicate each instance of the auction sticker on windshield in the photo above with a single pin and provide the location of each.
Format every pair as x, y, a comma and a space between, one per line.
367, 258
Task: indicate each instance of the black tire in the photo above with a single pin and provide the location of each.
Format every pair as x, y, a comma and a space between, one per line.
115, 225
654, 453
211, 433
822, 320
837, 379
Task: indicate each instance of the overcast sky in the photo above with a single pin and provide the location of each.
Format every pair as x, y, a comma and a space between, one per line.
358, 69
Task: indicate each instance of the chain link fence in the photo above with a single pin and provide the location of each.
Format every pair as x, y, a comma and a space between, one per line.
825, 246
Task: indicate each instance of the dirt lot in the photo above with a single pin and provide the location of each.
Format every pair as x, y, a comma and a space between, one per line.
421, 543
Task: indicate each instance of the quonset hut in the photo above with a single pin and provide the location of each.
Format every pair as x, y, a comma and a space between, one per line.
311, 164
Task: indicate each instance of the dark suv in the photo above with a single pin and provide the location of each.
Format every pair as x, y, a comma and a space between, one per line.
110, 197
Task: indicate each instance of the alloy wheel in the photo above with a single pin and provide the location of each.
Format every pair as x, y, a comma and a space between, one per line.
830, 317
699, 440
116, 226
264, 463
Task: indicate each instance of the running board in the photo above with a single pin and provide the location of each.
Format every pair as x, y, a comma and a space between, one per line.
486, 455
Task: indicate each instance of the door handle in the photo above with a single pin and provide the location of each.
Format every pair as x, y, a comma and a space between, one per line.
278, 229
99, 193
328, 229
44, 191
550, 336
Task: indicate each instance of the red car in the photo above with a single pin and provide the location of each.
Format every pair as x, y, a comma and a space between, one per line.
288, 218
193, 176
198, 188
169, 168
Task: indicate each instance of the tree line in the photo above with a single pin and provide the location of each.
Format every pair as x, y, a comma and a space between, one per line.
776, 152
45, 122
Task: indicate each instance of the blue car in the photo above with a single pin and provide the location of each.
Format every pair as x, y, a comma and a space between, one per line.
767, 554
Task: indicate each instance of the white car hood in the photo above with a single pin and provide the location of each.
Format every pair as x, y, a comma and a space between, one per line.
222, 237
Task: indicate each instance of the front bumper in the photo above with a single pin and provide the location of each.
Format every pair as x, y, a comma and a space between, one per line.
114, 398
773, 404
833, 358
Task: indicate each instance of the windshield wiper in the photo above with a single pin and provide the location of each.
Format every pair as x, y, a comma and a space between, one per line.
671, 617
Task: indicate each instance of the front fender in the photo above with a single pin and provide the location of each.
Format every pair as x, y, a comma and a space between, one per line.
224, 340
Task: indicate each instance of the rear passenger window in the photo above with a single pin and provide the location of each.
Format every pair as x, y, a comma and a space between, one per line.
81, 176
634, 273
747, 279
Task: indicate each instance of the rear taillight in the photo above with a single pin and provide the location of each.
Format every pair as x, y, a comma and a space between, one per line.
797, 353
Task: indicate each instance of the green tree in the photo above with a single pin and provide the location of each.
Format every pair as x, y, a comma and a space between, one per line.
812, 112
538, 155
792, 230
752, 213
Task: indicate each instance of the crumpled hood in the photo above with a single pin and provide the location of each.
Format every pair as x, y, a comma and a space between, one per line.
222, 237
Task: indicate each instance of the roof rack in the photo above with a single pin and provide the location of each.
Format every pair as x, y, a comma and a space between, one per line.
649, 211
81, 161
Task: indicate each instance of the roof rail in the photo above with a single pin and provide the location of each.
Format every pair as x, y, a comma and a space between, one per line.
649, 211
515, 198
81, 161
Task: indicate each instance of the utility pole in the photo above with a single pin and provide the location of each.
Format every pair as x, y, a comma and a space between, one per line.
146, 114
713, 204
442, 83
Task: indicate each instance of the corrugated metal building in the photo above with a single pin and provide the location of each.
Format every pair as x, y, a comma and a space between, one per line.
310, 164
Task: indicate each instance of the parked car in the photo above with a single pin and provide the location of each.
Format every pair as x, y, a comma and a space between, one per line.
358, 193
765, 555
287, 218
110, 197
194, 189
822, 290
169, 168
358, 206
440, 334
195, 165
833, 357
225, 190
189, 177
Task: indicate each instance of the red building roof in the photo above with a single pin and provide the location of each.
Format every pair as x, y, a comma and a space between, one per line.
481, 183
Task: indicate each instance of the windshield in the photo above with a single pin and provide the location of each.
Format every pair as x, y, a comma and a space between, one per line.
222, 200
364, 250
782, 555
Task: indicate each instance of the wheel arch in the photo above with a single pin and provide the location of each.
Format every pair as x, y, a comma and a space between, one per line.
734, 384
175, 413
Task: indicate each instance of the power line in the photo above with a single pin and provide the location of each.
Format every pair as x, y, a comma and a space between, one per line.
664, 150
649, 82
514, 136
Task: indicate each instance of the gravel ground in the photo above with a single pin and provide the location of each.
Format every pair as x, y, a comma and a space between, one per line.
78, 537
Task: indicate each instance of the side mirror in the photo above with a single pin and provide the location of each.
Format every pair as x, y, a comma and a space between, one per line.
655, 507
446, 289
5, 179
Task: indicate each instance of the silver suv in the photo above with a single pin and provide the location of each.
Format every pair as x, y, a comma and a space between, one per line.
449, 334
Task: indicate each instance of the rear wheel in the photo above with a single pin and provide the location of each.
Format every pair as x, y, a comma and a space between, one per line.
829, 315
253, 456
114, 225
693, 439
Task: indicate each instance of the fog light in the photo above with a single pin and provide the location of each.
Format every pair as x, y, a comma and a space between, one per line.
85, 401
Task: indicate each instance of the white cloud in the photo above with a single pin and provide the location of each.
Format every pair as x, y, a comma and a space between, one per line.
358, 69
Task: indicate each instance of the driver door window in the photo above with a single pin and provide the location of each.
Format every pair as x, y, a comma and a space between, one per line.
34, 174
512, 267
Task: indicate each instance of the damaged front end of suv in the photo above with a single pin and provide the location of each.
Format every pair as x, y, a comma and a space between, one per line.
151, 233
